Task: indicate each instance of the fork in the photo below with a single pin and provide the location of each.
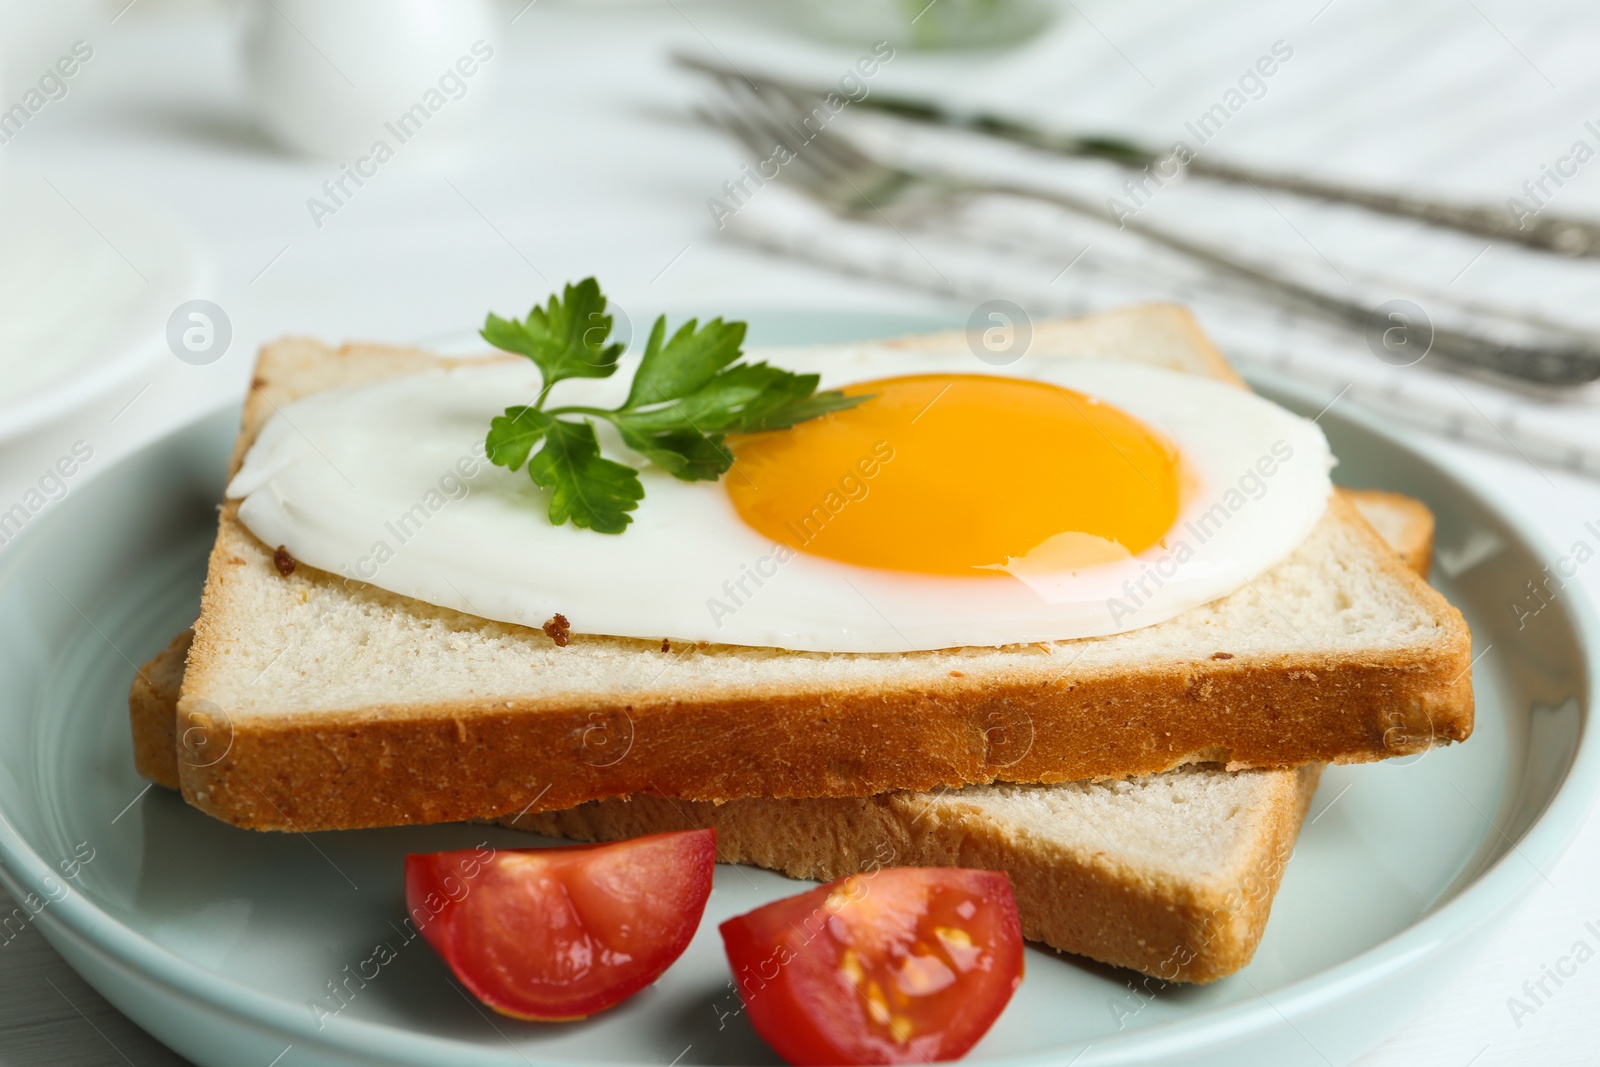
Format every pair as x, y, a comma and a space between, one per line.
1548, 232
844, 178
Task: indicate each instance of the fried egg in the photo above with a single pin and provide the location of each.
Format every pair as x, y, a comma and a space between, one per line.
961, 504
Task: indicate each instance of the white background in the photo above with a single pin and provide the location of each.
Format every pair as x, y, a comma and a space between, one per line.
588, 165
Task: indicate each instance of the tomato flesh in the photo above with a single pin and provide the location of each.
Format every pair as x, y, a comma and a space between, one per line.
904, 965
561, 933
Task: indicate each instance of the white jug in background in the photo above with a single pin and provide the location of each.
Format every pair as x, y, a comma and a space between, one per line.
338, 78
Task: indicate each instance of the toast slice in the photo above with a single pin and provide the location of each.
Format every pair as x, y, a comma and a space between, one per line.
153, 713
1172, 875
333, 704
1403, 521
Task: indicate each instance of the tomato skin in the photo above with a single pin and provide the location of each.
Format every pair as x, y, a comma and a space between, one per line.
904, 965
549, 934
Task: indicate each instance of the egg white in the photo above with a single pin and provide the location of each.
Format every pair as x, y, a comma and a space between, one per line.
385, 483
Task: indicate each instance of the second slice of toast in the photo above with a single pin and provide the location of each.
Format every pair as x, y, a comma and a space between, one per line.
318, 702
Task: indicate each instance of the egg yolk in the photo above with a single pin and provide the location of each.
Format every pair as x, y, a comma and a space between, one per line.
957, 474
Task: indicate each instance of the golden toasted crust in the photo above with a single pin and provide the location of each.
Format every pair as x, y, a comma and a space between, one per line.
153, 709
476, 758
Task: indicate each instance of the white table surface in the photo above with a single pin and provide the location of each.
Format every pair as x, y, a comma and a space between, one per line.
584, 169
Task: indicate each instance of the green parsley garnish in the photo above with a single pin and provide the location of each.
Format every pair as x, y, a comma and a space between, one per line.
688, 394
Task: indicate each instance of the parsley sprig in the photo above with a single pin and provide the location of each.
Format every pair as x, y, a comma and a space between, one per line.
687, 395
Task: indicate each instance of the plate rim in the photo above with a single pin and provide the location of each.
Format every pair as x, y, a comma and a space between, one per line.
1490, 894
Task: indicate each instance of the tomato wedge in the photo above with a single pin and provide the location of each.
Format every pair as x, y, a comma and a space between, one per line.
904, 965
560, 933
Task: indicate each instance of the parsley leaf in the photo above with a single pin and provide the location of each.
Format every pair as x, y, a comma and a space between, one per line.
688, 393
686, 454
798, 409
593, 492
567, 339
686, 363
513, 435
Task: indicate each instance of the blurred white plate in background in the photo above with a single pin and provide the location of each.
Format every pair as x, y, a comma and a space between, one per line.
88, 278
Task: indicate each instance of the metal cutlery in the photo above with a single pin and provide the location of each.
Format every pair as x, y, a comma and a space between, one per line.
848, 180
1550, 233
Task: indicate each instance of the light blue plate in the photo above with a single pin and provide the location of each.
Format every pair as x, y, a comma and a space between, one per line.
220, 941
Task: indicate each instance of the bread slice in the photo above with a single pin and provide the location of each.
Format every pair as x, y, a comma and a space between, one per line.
1172, 875
1404, 522
342, 705
153, 712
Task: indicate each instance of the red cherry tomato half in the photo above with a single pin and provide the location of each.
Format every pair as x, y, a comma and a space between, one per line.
560, 933
905, 965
